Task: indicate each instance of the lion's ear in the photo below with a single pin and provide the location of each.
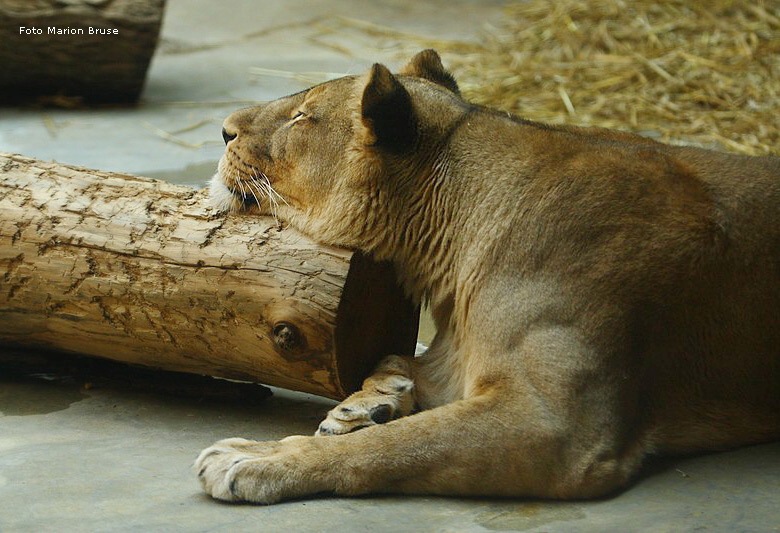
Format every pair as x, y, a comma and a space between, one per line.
427, 64
386, 111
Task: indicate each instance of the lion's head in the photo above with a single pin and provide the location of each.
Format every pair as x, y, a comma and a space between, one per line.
329, 159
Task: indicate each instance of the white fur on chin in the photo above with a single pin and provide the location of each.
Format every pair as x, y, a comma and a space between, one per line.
220, 197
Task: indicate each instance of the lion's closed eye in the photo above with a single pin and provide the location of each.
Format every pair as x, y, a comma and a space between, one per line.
297, 117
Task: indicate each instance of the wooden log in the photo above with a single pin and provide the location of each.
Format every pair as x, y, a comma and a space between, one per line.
94, 50
145, 272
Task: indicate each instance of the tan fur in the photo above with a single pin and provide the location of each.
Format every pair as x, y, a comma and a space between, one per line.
598, 296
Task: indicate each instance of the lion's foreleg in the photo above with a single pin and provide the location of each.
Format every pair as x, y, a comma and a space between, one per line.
476, 446
445, 450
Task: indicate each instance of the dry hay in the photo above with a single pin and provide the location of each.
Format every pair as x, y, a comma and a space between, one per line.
696, 71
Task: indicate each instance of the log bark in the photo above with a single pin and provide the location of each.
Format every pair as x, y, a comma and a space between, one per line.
95, 50
145, 272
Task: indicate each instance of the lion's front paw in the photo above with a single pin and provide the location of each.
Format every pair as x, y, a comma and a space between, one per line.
215, 467
219, 471
383, 399
260, 472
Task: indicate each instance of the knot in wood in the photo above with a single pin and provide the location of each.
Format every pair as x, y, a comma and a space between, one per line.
287, 337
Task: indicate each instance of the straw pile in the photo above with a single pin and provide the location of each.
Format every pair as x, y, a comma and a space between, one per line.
704, 72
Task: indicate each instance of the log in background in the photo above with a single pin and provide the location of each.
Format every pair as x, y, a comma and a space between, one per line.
95, 68
145, 272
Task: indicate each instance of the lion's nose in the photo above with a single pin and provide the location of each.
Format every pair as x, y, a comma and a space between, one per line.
228, 136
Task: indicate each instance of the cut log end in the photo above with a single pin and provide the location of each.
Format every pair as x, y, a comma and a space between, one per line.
65, 53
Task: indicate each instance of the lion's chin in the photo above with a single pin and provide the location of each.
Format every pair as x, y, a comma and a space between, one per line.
221, 197
225, 200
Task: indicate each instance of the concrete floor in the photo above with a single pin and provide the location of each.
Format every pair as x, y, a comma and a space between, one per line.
109, 458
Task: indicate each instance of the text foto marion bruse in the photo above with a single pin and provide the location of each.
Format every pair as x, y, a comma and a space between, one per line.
53, 30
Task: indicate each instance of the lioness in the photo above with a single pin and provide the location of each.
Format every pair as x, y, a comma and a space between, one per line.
598, 296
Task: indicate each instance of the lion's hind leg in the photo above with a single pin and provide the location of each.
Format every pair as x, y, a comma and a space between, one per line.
386, 395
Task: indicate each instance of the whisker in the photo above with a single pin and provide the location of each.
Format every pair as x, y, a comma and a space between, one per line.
271, 199
251, 189
237, 180
264, 191
257, 186
275, 207
241, 187
272, 190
